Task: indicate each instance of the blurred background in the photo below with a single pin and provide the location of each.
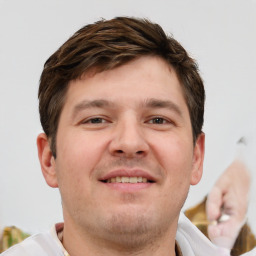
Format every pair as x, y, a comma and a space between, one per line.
219, 34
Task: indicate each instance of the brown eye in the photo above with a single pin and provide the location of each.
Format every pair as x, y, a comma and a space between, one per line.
158, 120
96, 120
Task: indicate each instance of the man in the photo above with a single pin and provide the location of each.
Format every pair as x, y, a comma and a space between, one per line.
121, 104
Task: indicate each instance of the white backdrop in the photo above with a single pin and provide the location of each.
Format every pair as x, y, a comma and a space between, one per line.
220, 34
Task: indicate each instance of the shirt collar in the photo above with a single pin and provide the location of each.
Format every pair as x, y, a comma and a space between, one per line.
57, 233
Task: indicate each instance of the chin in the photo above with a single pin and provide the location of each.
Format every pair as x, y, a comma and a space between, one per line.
131, 229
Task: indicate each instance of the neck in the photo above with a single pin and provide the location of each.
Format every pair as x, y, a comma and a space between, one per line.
78, 243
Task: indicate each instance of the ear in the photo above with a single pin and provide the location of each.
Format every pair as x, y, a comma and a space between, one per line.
47, 160
198, 159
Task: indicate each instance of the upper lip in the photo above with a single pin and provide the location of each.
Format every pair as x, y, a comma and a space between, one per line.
124, 172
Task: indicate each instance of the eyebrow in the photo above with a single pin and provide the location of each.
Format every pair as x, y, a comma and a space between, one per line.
149, 103
156, 103
86, 104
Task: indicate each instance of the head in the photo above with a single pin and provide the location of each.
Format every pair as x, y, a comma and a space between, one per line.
122, 106
106, 45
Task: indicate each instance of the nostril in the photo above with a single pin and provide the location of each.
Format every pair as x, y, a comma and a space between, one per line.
139, 152
120, 151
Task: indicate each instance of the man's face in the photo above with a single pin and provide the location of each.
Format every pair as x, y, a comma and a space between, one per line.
125, 154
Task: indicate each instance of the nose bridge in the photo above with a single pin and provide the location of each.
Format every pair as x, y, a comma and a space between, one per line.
129, 138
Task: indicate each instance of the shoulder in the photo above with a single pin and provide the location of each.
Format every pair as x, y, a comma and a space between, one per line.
192, 241
42, 244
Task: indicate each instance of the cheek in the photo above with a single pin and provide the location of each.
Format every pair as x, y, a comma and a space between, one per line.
81, 150
77, 157
175, 155
175, 158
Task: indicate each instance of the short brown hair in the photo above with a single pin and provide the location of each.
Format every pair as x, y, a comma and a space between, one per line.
105, 45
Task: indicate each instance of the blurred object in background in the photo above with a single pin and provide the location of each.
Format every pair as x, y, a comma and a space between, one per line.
245, 241
11, 236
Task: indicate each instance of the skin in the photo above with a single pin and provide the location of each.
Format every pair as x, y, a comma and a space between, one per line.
129, 121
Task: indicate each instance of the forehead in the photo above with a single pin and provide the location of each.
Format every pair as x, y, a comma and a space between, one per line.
139, 80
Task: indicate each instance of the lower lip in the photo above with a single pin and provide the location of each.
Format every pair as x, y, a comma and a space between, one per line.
128, 187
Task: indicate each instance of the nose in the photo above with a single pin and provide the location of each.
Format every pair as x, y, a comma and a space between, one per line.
129, 140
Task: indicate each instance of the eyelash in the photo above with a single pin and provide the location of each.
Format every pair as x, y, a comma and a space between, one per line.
90, 120
159, 120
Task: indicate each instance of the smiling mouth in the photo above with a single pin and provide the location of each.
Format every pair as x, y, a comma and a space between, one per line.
125, 179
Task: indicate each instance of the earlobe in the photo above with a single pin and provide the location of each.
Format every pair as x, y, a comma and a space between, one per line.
47, 160
198, 160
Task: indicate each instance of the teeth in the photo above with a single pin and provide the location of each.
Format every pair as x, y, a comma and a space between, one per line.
133, 180
127, 180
